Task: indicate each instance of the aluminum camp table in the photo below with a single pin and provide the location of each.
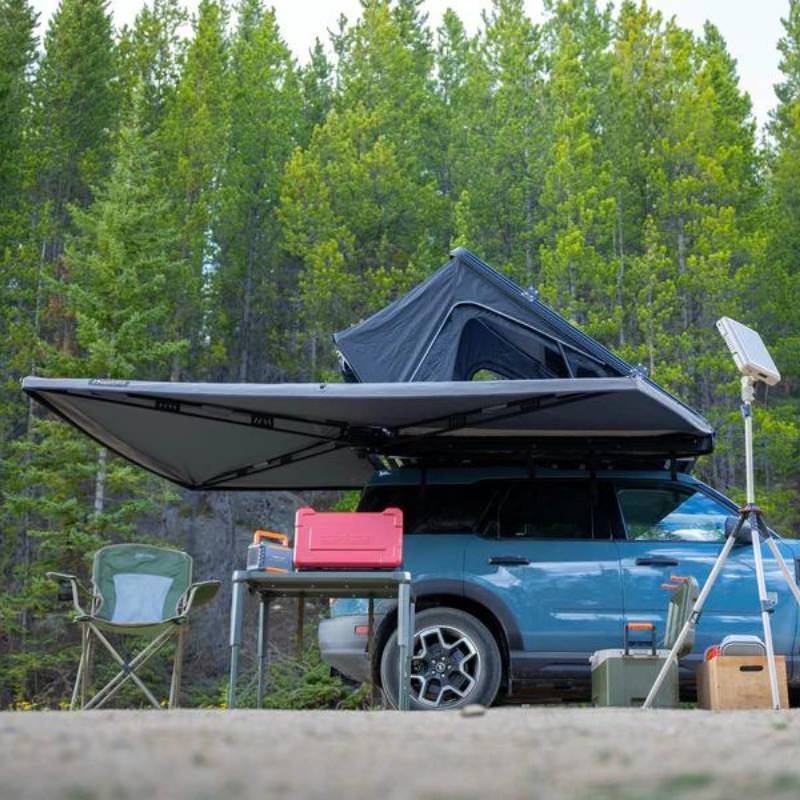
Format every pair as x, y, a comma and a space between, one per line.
323, 583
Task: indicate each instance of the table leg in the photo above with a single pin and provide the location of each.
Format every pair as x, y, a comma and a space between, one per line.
301, 624
237, 609
403, 637
412, 611
374, 693
263, 646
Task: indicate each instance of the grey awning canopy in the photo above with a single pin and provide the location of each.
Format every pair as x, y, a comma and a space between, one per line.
315, 436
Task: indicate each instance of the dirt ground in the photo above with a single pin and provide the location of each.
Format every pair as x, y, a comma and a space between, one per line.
535, 752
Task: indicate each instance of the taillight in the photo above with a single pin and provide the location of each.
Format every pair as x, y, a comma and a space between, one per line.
361, 630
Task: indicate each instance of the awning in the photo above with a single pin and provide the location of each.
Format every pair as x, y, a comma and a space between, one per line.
330, 436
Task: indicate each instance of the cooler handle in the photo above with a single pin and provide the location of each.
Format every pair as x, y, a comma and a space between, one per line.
640, 626
281, 538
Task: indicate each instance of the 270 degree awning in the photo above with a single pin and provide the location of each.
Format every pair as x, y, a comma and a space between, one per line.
315, 436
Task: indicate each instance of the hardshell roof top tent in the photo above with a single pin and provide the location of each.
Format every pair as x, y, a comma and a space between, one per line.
570, 399
466, 318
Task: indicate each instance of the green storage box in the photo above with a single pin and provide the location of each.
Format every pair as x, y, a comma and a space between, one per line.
624, 677
625, 680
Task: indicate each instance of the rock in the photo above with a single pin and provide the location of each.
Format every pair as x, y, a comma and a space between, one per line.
473, 710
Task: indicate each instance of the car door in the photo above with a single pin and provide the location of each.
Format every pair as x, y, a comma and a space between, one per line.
678, 529
549, 557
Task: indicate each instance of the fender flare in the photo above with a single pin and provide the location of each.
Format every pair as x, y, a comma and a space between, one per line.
471, 591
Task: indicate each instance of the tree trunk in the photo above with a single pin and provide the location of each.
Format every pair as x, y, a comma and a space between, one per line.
621, 272
244, 331
100, 481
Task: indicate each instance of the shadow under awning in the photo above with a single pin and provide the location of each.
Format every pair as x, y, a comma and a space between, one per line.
321, 436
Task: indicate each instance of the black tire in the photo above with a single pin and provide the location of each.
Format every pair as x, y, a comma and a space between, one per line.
456, 662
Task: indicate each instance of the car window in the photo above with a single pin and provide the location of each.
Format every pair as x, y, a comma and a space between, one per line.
546, 510
433, 508
667, 514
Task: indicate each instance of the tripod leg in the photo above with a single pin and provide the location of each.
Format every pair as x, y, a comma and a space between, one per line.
765, 623
787, 574
691, 623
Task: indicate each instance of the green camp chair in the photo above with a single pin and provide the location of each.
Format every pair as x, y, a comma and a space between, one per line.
137, 590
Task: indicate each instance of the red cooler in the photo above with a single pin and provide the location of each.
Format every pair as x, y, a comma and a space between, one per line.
348, 540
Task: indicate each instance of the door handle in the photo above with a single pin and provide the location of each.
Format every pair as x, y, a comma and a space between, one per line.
656, 562
509, 561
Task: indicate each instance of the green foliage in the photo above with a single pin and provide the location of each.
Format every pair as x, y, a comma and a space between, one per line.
253, 279
297, 683
120, 263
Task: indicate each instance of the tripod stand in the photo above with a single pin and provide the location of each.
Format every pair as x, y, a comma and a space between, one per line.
750, 517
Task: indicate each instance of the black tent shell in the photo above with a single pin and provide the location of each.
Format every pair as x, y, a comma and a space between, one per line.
319, 436
466, 318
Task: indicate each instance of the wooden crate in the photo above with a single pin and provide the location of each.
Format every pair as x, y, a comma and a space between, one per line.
738, 682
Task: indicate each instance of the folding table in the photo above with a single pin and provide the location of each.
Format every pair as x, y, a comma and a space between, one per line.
322, 583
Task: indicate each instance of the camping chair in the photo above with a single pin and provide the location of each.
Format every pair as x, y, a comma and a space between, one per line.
137, 590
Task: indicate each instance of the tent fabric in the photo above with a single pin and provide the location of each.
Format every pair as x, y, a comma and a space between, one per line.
328, 436
465, 318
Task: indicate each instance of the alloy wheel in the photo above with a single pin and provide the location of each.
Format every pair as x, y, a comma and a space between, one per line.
445, 666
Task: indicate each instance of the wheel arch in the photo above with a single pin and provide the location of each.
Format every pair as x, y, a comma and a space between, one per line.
461, 595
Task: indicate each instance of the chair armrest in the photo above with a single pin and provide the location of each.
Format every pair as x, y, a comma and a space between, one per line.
75, 585
200, 593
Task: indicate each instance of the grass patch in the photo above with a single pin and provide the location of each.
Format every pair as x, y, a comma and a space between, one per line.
680, 786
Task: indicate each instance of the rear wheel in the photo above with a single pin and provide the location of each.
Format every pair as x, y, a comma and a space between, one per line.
456, 661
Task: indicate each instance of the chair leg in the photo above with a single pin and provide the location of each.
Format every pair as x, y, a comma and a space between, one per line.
77, 689
128, 670
177, 669
86, 681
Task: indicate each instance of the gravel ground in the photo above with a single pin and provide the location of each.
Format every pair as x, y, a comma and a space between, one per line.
528, 752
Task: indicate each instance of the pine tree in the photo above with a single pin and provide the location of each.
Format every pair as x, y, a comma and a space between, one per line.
74, 497
360, 208
77, 106
783, 241
316, 80
254, 278
194, 140
577, 206
120, 261
17, 56
452, 56
774, 281
499, 173
17, 160
71, 129
151, 55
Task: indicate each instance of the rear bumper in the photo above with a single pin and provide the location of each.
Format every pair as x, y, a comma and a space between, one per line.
343, 648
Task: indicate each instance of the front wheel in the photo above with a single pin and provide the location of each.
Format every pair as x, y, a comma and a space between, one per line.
456, 661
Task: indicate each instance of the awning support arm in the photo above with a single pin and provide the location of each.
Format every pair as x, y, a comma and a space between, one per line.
454, 422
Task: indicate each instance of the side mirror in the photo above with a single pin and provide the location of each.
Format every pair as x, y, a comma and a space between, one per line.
745, 531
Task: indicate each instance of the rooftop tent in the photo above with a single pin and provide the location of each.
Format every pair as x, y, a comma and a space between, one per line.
466, 318
315, 436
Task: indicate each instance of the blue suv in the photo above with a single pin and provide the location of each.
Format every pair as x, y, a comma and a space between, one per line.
522, 573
